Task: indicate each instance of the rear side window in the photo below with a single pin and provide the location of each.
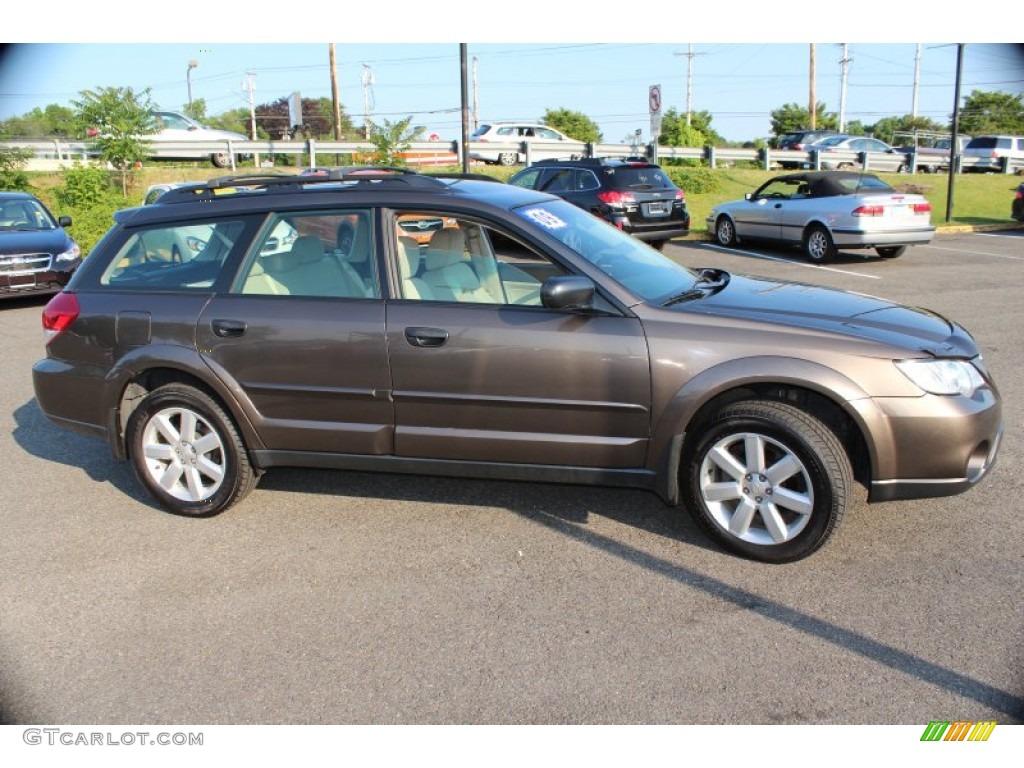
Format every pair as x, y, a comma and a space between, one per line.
183, 257
989, 142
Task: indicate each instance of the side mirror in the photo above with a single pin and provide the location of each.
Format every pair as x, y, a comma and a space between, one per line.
568, 292
64, 221
748, 196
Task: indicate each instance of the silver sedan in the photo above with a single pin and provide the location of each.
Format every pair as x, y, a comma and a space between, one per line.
825, 211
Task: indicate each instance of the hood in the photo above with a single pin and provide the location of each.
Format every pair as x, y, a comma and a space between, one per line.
828, 310
52, 241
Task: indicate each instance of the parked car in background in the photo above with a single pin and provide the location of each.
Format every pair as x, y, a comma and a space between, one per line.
883, 158
932, 156
989, 153
825, 211
531, 341
37, 255
799, 141
634, 195
1017, 207
174, 126
515, 133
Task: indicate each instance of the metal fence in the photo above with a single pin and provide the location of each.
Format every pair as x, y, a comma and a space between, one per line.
52, 154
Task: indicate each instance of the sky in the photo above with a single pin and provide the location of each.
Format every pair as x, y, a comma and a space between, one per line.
739, 71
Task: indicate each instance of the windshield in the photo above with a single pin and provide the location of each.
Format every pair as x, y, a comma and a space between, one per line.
647, 273
24, 215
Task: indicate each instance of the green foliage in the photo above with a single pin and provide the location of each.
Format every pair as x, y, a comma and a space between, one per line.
273, 119
887, 126
694, 181
121, 117
236, 121
12, 169
793, 117
575, 125
88, 197
992, 112
676, 133
197, 112
391, 139
53, 121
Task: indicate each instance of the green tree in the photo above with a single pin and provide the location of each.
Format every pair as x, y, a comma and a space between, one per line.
53, 121
236, 121
122, 118
676, 133
273, 119
992, 112
792, 117
197, 111
390, 140
12, 169
575, 125
887, 126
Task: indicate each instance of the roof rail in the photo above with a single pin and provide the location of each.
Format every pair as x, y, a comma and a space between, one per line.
289, 183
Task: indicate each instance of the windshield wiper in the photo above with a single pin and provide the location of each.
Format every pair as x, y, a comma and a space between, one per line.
709, 280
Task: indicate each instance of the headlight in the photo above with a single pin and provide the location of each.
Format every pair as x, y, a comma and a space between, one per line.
70, 254
943, 377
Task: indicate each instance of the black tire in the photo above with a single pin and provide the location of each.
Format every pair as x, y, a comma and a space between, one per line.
190, 439
818, 244
658, 245
508, 158
778, 504
725, 231
221, 160
891, 251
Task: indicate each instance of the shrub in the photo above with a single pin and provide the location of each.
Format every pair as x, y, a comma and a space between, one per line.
694, 181
12, 169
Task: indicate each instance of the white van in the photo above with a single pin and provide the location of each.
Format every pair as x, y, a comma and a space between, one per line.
986, 153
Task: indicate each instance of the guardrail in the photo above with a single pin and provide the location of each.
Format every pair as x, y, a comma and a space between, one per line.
54, 153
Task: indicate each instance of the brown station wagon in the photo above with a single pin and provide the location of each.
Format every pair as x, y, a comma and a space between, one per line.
526, 340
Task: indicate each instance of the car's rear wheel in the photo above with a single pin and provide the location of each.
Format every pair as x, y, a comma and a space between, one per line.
891, 251
818, 245
186, 451
221, 159
508, 158
725, 231
658, 245
767, 480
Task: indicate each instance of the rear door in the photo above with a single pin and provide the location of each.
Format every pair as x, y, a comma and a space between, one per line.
300, 336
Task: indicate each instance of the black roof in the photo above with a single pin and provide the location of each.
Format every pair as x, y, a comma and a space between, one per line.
832, 183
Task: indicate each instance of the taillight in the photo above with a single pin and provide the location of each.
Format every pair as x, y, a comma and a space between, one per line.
869, 210
616, 199
1020, 194
59, 313
922, 207
680, 196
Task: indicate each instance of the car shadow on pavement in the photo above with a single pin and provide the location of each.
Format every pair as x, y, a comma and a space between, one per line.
34, 433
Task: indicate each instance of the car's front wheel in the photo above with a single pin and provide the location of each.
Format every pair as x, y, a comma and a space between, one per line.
767, 480
891, 251
508, 158
186, 451
221, 159
725, 231
818, 245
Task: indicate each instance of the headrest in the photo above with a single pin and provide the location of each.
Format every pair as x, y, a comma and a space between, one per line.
408, 257
457, 277
447, 246
307, 249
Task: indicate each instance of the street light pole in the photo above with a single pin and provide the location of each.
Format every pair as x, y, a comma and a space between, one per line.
192, 64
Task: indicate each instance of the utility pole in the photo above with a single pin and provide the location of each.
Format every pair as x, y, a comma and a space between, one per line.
250, 86
367, 80
917, 79
813, 105
954, 143
334, 95
476, 98
845, 62
464, 82
689, 79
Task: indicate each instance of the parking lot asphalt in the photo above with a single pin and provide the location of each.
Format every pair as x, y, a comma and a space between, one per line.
333, 597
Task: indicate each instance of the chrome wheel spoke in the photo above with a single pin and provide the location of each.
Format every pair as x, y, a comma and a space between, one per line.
783, 469
754, 447
158, 452
739, 525
800, 503
726, 462
168, 476
774, 523
721, 491
213, 471
164, 426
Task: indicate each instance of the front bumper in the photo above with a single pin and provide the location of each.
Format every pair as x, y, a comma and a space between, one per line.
930, 446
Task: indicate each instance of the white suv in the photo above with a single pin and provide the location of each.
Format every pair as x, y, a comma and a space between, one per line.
989, 151
516, 133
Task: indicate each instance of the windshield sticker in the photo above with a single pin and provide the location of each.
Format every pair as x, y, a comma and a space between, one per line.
544, 218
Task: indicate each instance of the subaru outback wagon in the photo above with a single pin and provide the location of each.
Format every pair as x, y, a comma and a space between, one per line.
526, 340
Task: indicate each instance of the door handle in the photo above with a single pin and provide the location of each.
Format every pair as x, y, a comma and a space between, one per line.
228, 329
426, 337
778, 205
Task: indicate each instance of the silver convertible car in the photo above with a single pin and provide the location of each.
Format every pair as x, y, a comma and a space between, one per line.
825, 211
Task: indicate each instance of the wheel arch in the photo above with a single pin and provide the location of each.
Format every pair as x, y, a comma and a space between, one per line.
835, 400
136, 376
